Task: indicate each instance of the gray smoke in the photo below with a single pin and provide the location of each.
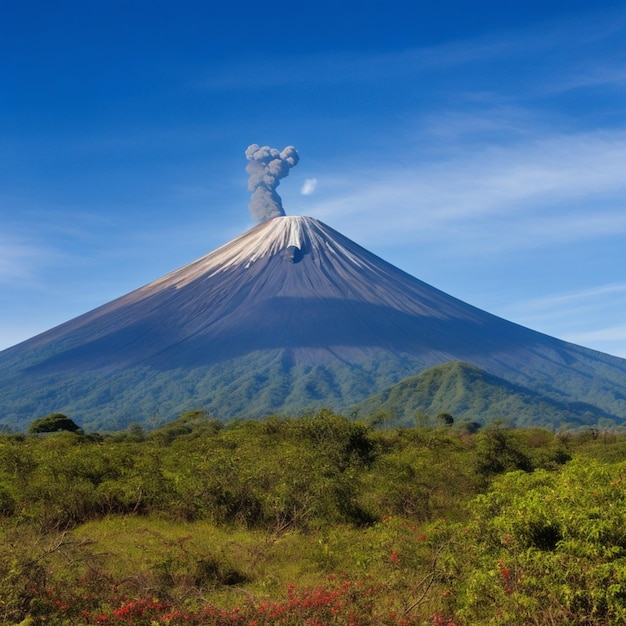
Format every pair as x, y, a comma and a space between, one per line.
266, 167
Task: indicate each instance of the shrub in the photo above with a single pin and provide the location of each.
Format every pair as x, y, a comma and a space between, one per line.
52, 423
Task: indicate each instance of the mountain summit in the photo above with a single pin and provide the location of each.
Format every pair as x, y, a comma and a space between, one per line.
289, 316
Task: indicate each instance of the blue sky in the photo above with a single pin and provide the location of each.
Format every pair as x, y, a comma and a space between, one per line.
480, 146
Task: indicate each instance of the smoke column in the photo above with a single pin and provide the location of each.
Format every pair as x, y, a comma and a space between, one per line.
266, 167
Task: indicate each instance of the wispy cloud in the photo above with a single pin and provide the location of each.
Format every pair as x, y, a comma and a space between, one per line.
338, 67
309, 186
19, 260
611, 335
589, 32
567, 314
595, 299
534, 191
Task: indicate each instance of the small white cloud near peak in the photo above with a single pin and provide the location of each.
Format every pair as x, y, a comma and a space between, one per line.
309, 186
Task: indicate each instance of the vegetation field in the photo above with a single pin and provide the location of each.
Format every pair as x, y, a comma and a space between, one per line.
317, 520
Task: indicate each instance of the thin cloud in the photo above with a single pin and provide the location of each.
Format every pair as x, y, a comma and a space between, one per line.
570, 297
309, 186
610, 334
588, 32
611, 340
339, 67
566, 315
591, 75
19, 261
598, 298
537, 190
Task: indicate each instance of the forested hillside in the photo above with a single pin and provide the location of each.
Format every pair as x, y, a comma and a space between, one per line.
316, 520
472, 394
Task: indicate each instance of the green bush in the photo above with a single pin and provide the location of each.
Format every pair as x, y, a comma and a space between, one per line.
550, 544
52, 423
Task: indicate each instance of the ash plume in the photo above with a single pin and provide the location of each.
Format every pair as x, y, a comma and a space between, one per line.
266, 168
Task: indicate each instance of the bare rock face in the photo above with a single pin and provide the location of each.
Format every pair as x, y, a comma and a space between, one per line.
289, 316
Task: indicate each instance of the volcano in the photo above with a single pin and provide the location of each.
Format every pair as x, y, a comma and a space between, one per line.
288, 317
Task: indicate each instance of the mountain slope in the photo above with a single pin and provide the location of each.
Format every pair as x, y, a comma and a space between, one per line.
289, 316
470, 394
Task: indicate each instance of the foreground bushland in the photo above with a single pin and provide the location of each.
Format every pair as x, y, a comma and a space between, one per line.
316, 520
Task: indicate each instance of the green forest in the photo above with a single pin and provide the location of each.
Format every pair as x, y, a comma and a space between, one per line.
317, 520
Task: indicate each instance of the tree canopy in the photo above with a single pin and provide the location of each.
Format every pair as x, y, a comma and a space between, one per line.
52, 423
